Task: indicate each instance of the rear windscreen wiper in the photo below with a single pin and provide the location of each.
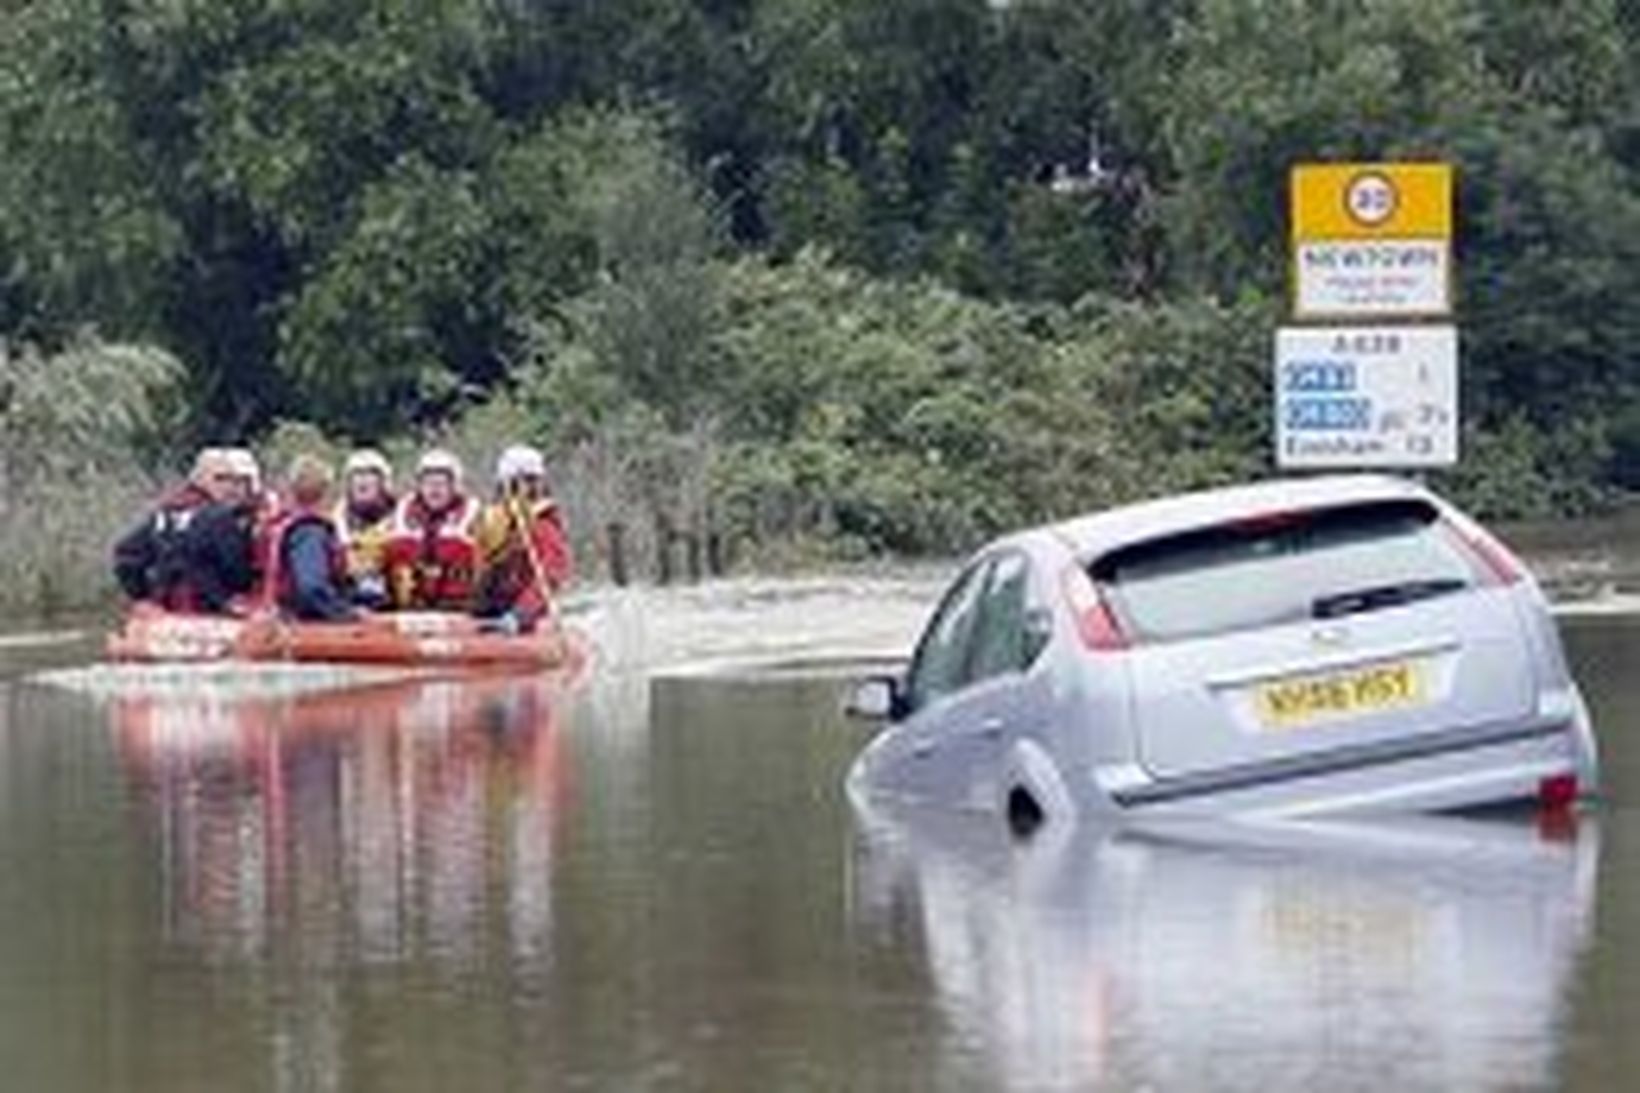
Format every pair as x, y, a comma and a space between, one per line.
1386, 595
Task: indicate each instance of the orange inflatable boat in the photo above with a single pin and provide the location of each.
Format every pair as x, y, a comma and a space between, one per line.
409, 638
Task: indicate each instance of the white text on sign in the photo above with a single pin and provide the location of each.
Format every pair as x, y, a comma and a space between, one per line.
1367, 396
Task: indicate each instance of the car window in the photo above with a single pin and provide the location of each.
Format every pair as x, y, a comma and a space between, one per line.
941, 663
1304, 565
1000, 642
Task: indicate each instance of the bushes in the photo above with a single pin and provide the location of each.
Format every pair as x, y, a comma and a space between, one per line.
608, 224
76, 430
902, 417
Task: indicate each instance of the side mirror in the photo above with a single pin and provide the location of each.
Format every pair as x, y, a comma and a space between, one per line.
876, 699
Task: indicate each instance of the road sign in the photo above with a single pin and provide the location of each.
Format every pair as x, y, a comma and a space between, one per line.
1366, 396
1371, 201
1371, 240
1369, 278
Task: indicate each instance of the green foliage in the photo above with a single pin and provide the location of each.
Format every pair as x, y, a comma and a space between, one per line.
906, 417
376, 332
76, 426
289, 439
896, 272
86, 409
85, 236
301, 133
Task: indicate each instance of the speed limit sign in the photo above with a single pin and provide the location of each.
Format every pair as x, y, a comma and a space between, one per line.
1370, 198
1371, 241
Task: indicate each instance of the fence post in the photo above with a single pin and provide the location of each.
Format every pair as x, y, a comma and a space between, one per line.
663, 551
691, 547
714, 553
617, 552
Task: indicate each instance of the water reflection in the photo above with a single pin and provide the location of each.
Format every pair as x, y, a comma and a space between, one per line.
1417, 954
405, 821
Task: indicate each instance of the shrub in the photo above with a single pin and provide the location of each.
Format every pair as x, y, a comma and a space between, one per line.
77, 427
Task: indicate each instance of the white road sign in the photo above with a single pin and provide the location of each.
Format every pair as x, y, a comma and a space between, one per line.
1356, 278
1367, 396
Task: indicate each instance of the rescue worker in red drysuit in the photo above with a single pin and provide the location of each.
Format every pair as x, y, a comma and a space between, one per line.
152, 561
431, 550
305, 569
524, 557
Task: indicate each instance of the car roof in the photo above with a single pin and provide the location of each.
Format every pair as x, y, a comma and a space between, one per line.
1100, 532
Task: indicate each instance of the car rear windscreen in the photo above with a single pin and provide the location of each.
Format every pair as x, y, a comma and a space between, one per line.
1283, 567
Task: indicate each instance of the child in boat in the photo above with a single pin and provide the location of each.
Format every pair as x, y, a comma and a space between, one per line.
306, 569
431, 547
524, 557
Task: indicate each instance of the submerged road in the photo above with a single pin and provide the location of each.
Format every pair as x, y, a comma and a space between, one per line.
654, 882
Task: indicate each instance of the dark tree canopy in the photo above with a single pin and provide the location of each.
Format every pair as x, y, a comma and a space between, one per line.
372, 214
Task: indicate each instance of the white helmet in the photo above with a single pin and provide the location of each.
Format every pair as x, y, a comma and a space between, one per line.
209, 461
437, 460
520, 461
241, 462
368, 460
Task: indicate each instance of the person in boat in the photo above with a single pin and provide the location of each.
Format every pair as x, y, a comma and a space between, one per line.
151, 560
220, 546
305, 572
257, 493
431, 547
524, 557
364, 520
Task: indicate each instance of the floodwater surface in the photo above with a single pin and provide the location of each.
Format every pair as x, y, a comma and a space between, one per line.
649, 882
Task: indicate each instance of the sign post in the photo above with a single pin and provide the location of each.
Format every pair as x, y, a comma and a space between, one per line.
1370, 378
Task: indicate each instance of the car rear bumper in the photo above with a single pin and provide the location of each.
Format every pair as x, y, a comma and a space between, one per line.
1452, 769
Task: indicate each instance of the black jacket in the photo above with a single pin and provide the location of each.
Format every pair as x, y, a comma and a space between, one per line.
219, 552
151, 560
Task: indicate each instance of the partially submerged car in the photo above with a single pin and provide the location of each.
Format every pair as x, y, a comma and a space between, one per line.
1318, 645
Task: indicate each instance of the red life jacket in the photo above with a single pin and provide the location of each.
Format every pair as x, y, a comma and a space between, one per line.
432, 556
277, 589
511, 581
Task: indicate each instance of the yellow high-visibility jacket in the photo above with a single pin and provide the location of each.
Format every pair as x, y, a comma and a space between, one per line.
364, 543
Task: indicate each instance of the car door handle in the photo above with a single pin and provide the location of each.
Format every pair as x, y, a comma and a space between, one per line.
922, 748
992, 727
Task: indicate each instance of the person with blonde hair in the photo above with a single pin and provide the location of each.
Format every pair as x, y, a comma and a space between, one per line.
305, 573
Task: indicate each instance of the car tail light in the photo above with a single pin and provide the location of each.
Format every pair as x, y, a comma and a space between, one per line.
1557, 792
1095, 621
1496, 563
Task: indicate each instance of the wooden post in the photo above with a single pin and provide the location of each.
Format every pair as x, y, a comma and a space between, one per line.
714, 553
617, 553
663, 551
691, 546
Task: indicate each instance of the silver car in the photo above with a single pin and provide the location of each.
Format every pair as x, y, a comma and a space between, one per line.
1330, 644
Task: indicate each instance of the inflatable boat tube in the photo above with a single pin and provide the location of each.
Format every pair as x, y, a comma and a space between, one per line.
410, 638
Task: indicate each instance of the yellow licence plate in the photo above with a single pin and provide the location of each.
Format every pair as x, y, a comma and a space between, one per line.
1290, 703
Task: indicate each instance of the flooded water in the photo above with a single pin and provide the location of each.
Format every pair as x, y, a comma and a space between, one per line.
655, 882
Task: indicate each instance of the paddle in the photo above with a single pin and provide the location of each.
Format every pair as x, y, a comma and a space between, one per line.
543, 586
